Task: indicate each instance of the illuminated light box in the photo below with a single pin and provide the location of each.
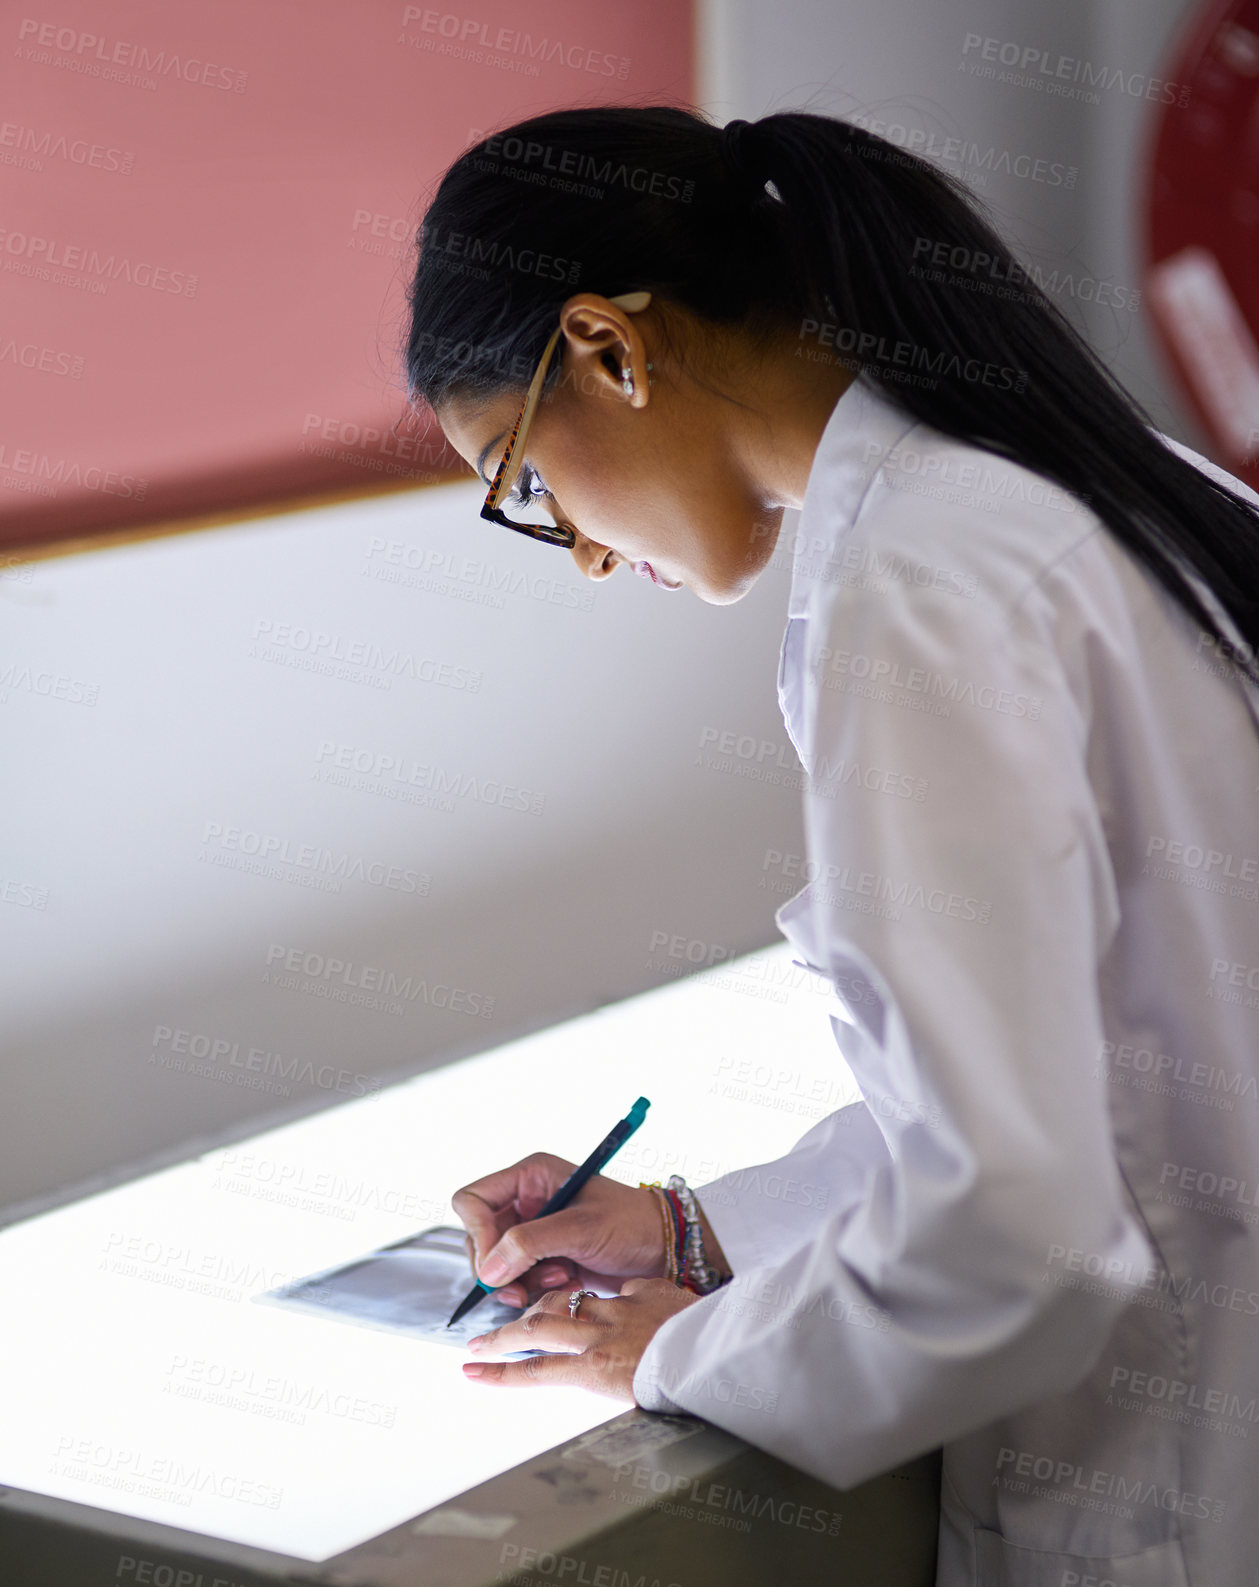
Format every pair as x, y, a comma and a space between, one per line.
141, 1379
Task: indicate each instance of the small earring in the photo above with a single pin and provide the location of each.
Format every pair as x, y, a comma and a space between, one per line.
627, 382
650, 381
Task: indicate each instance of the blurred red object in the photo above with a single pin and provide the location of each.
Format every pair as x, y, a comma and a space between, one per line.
1202, 240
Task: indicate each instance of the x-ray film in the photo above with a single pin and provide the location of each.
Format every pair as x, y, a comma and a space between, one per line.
410, 1287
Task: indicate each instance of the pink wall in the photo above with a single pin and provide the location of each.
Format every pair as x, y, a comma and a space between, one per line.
205, 215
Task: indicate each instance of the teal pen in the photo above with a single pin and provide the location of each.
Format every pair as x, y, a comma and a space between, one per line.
607, 1147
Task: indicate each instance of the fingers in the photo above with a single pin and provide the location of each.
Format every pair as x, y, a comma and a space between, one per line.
561, 1237
518, 1192
554, 1273
589, 1365
512, 1294
599, 1349
551, 1274
530, 1373
526, 1185
478, 1219
546, 1325
595, 1369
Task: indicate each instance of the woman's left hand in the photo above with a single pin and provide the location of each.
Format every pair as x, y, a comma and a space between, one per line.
601, 1347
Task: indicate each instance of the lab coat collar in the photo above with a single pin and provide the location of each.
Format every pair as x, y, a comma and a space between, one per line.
865, 424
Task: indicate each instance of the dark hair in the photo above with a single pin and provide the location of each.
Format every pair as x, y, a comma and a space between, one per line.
617, 199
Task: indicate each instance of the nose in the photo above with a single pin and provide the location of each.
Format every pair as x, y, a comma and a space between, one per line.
594, 560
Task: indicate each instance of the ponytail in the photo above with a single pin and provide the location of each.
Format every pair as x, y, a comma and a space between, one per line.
805, 221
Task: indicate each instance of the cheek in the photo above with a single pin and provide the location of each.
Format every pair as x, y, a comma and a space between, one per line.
733, 522
653, 494
614, 509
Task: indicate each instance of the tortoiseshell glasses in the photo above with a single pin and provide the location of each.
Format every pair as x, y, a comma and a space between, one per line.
503, 486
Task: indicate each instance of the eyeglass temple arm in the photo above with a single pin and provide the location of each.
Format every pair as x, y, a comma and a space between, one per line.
526, 413
631, 302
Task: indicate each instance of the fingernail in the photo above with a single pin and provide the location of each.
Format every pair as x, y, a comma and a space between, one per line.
473, 1369
474, 1344
493, 1269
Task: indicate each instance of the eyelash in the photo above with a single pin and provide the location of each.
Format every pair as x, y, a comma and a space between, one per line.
522, 497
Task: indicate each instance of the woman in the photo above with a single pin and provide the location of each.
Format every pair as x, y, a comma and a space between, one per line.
1019, 670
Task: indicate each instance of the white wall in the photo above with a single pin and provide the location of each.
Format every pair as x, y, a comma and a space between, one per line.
911, 69
121, 809
598, 712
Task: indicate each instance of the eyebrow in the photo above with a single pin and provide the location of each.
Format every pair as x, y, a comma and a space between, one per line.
485, 450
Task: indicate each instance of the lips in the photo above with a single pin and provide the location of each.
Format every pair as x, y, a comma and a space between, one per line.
646, 571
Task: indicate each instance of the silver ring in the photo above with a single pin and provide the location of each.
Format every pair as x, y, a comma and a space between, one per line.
576, 1298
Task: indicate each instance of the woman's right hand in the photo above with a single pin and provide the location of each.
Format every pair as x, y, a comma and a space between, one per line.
610, 1233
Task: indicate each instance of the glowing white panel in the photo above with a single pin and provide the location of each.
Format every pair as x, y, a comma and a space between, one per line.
138, 1376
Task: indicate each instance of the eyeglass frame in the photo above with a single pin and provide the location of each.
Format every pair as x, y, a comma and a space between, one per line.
505, 476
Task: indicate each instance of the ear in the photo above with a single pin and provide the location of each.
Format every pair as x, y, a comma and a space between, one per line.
604, 348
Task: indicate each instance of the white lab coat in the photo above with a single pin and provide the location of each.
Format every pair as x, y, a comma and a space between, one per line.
1033, 878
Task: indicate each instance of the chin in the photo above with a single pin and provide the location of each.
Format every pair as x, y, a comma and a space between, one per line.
724, 593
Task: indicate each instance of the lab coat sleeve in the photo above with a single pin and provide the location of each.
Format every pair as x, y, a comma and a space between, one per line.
951, 1293
758, 1213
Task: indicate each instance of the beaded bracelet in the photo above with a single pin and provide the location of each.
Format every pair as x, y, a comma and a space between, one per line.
685, 1262
701, 1277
